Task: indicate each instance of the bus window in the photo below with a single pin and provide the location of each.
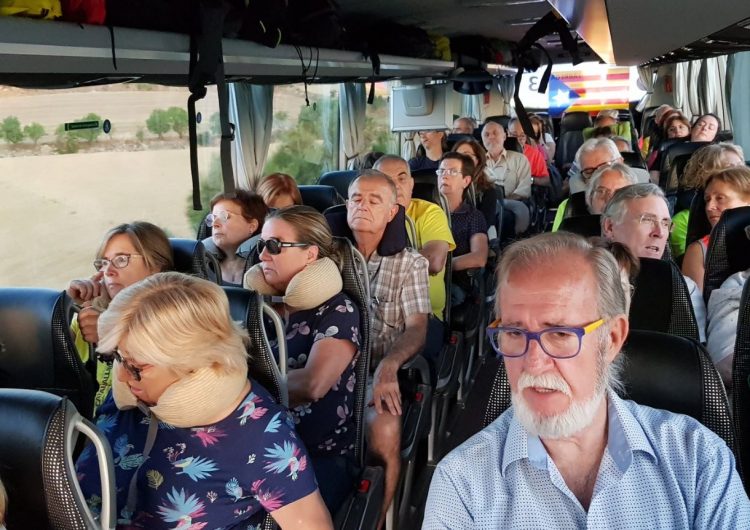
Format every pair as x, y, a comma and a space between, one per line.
64, 189
305, 139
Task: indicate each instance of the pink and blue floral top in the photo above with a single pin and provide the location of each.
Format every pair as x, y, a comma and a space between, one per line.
226, 475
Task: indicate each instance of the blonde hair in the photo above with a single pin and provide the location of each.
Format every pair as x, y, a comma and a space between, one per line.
312, 228
705, 162
148, 239
277, 184
175, 320
737, 177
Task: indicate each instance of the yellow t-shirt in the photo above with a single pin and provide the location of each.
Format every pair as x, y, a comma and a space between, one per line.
560, 215
103, 370
432, 225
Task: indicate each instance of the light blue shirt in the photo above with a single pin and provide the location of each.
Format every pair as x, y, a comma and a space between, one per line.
659, 470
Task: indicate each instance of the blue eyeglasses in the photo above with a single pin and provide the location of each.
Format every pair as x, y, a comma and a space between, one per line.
557, 342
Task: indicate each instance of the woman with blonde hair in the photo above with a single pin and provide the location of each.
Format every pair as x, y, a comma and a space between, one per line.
299, 262
702, 164
196, 442
128, 253
726, 189
279, 190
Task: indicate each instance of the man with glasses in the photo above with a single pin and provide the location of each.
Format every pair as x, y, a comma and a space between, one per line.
638, 217
400, 306
595, 154
605, 182
570, 453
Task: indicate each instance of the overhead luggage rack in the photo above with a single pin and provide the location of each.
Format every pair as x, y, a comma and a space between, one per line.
45, 53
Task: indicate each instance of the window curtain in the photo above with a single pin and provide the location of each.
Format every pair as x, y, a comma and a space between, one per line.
646, 74
711, 93
352, 109
251, 111
693, 99
681, 82
408, 146
507, 87
471, 106
738, 79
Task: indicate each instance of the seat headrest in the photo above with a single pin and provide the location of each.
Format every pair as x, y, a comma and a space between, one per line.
576, 205
729, 249
31, 422
319, 196
28, 345
575, 121
681, 148
512, 144
651, 305
502, 119
339, 180
394, 239
584, 225
737, 221
185, 252
672, 362
456, 137
633, 159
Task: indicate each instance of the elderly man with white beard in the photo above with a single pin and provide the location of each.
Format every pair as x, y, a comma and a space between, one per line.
570, 453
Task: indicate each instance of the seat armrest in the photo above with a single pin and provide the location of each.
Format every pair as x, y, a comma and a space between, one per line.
420, 365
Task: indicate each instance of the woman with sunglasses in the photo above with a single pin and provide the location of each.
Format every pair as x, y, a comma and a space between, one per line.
235, 221
299, 261
128, 253
196, 442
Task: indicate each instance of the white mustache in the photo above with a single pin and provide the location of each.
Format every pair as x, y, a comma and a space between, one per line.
549, 381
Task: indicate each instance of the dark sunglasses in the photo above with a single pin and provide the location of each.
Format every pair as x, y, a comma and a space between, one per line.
274, 246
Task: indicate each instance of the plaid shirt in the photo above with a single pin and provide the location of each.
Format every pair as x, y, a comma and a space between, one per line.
399, 287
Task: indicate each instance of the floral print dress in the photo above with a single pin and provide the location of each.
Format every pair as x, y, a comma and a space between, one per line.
222, 476
327, 425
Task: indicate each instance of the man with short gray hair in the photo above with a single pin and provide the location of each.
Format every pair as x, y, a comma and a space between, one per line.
399, 309
595, 154
570, 453
638, 217
604, 183
464, 125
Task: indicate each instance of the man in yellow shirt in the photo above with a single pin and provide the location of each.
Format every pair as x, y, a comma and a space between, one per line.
434, 237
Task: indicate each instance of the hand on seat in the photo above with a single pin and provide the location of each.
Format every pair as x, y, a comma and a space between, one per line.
386, 394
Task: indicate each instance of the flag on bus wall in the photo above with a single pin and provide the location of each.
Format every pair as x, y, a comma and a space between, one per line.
587, 91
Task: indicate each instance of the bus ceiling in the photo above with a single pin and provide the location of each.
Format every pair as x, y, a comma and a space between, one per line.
623, 32
634, 32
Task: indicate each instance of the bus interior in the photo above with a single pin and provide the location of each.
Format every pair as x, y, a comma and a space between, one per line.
102, 124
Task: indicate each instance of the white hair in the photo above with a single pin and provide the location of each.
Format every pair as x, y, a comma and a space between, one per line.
594, 144
618, 204
624, 170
